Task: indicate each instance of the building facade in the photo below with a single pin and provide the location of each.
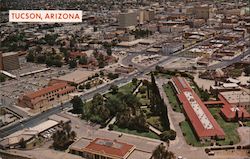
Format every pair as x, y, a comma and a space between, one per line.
9, 61
45, 98
101, 148
127, 19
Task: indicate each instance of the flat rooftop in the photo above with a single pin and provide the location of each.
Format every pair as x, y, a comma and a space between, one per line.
104, 147
236, 97
9, 54
77, 76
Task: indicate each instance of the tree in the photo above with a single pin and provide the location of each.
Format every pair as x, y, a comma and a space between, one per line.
161, 152
103, 112
63, 137
49, 61
57, 63
112, 76
114, 89
134, 81
109, 51
72, 63
83, 60
142, 89
95, 29
131, 101
236, 115
22, 143
41, 58
247, 70
88, 85
2, 77
101, 73
168, 135
97, 100
82, 87
115, 105
30, 57
139, 122
77, 105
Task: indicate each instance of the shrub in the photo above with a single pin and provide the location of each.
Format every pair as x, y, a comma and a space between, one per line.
168, 135
111, 126
231, 142
207, 150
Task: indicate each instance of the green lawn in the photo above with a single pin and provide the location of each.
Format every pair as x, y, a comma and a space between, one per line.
143, 98
155, 122
128, 88
134, 132
189, 135
173, 99
230, 128
247, 123
125, 89
167, 76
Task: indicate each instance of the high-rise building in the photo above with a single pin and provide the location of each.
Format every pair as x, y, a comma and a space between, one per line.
9, 61
146, 15
203, 12
127, 19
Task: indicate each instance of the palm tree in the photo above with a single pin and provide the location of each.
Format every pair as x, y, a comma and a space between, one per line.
161, 152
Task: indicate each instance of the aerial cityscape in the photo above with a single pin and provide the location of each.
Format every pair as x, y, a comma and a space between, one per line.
134, 79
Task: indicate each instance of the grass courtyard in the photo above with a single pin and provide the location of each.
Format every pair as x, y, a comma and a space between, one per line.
172, 98
229, 128
135, 132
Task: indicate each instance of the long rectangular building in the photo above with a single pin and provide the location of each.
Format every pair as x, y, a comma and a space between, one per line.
201, 119
101, 148
44, 98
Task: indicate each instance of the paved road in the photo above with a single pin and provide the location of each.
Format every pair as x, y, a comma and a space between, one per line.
43, 116
226, 63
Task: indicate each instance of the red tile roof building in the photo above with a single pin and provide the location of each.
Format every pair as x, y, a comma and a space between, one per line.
203, 123
105, 148
46, 97
228, 111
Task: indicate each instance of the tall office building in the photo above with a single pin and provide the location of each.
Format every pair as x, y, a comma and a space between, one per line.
9, 61
203, 12
127, 19
146, 15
